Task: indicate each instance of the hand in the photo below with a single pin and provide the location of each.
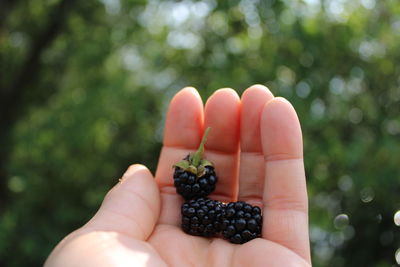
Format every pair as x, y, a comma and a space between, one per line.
138, 223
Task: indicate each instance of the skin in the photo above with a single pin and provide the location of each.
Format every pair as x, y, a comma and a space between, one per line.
256, 145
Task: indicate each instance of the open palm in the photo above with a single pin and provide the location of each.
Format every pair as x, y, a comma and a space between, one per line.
256, 147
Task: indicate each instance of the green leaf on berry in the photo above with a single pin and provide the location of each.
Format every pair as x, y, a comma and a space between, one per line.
183, 164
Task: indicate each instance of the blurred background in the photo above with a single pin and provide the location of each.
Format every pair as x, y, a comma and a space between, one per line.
84, 86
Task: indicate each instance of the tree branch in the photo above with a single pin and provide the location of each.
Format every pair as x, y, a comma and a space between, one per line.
12, 97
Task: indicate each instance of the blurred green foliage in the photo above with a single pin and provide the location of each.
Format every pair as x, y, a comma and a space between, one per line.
85, 84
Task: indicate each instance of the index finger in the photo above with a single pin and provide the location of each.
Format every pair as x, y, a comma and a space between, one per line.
182, 135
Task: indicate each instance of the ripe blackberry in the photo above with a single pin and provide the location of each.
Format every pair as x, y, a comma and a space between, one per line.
202, 217
242, 222
194, 176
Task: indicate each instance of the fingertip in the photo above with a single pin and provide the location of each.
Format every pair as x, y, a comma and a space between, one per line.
224, 98
253, 101
184, 119
186, 95
135, 168
281, 101
277, 106
222, 114
225, 93
280, 130
189, 90
257, 89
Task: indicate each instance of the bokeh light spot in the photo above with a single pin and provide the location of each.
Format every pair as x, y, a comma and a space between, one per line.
396, 218
355, 115
345, 183
367, 195
397, 256
16, 184
341, 221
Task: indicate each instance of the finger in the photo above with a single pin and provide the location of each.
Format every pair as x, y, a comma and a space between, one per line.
222, 113
252, 167
132, 207
184, 122
285, 193
182, 135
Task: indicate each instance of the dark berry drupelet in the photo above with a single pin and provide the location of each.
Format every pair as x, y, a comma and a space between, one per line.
190, 185
202, 217
242, 222
195, 176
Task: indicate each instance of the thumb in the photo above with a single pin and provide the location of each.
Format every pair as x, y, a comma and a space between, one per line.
132, 207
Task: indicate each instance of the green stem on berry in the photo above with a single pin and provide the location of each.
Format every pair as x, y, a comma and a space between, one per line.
197, 157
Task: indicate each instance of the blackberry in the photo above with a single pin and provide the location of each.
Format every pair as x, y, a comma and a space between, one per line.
202, 217
242, 222
194, 176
